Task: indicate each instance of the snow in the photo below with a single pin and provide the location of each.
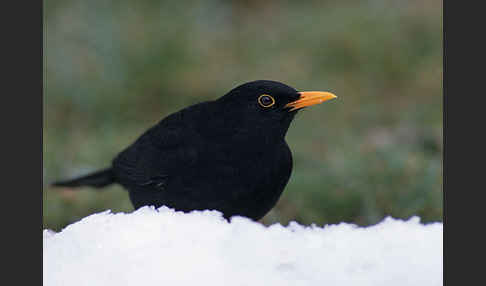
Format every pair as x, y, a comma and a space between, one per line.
164, 247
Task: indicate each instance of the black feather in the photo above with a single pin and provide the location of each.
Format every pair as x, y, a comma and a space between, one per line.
97, 179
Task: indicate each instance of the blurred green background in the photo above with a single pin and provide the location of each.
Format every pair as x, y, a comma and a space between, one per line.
112, 69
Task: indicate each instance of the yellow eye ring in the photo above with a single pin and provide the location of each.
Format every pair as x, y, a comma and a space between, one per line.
263, 100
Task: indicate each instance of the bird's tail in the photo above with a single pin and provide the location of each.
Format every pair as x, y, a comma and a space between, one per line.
97, 179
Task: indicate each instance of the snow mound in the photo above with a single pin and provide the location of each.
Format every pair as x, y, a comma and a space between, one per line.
164, 247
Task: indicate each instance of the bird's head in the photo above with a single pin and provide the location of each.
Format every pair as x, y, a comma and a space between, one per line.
268, 106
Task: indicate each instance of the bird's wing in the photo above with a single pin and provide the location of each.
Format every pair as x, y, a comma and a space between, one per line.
133, 166
158, 153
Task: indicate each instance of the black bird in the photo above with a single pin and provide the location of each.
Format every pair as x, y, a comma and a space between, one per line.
228, 154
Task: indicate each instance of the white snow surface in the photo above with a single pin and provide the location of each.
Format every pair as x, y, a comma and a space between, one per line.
164, 247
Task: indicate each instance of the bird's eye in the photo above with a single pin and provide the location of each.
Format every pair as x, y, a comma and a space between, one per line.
266, 100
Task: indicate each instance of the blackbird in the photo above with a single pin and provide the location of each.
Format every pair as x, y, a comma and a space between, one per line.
228, 154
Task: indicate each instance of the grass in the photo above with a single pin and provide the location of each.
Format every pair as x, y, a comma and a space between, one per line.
112, 69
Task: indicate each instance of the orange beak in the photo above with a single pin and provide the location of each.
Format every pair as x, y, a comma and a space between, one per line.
308, 98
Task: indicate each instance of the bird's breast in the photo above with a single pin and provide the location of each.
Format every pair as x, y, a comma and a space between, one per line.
251, 167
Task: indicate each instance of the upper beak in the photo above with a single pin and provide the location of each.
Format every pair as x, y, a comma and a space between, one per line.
308, 98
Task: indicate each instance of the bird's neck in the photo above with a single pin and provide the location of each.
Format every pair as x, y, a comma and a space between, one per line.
245, 136
241, 129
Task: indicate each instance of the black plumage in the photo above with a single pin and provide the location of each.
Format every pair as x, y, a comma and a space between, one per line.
228, 154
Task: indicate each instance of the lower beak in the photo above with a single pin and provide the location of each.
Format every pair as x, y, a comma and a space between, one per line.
308, 98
